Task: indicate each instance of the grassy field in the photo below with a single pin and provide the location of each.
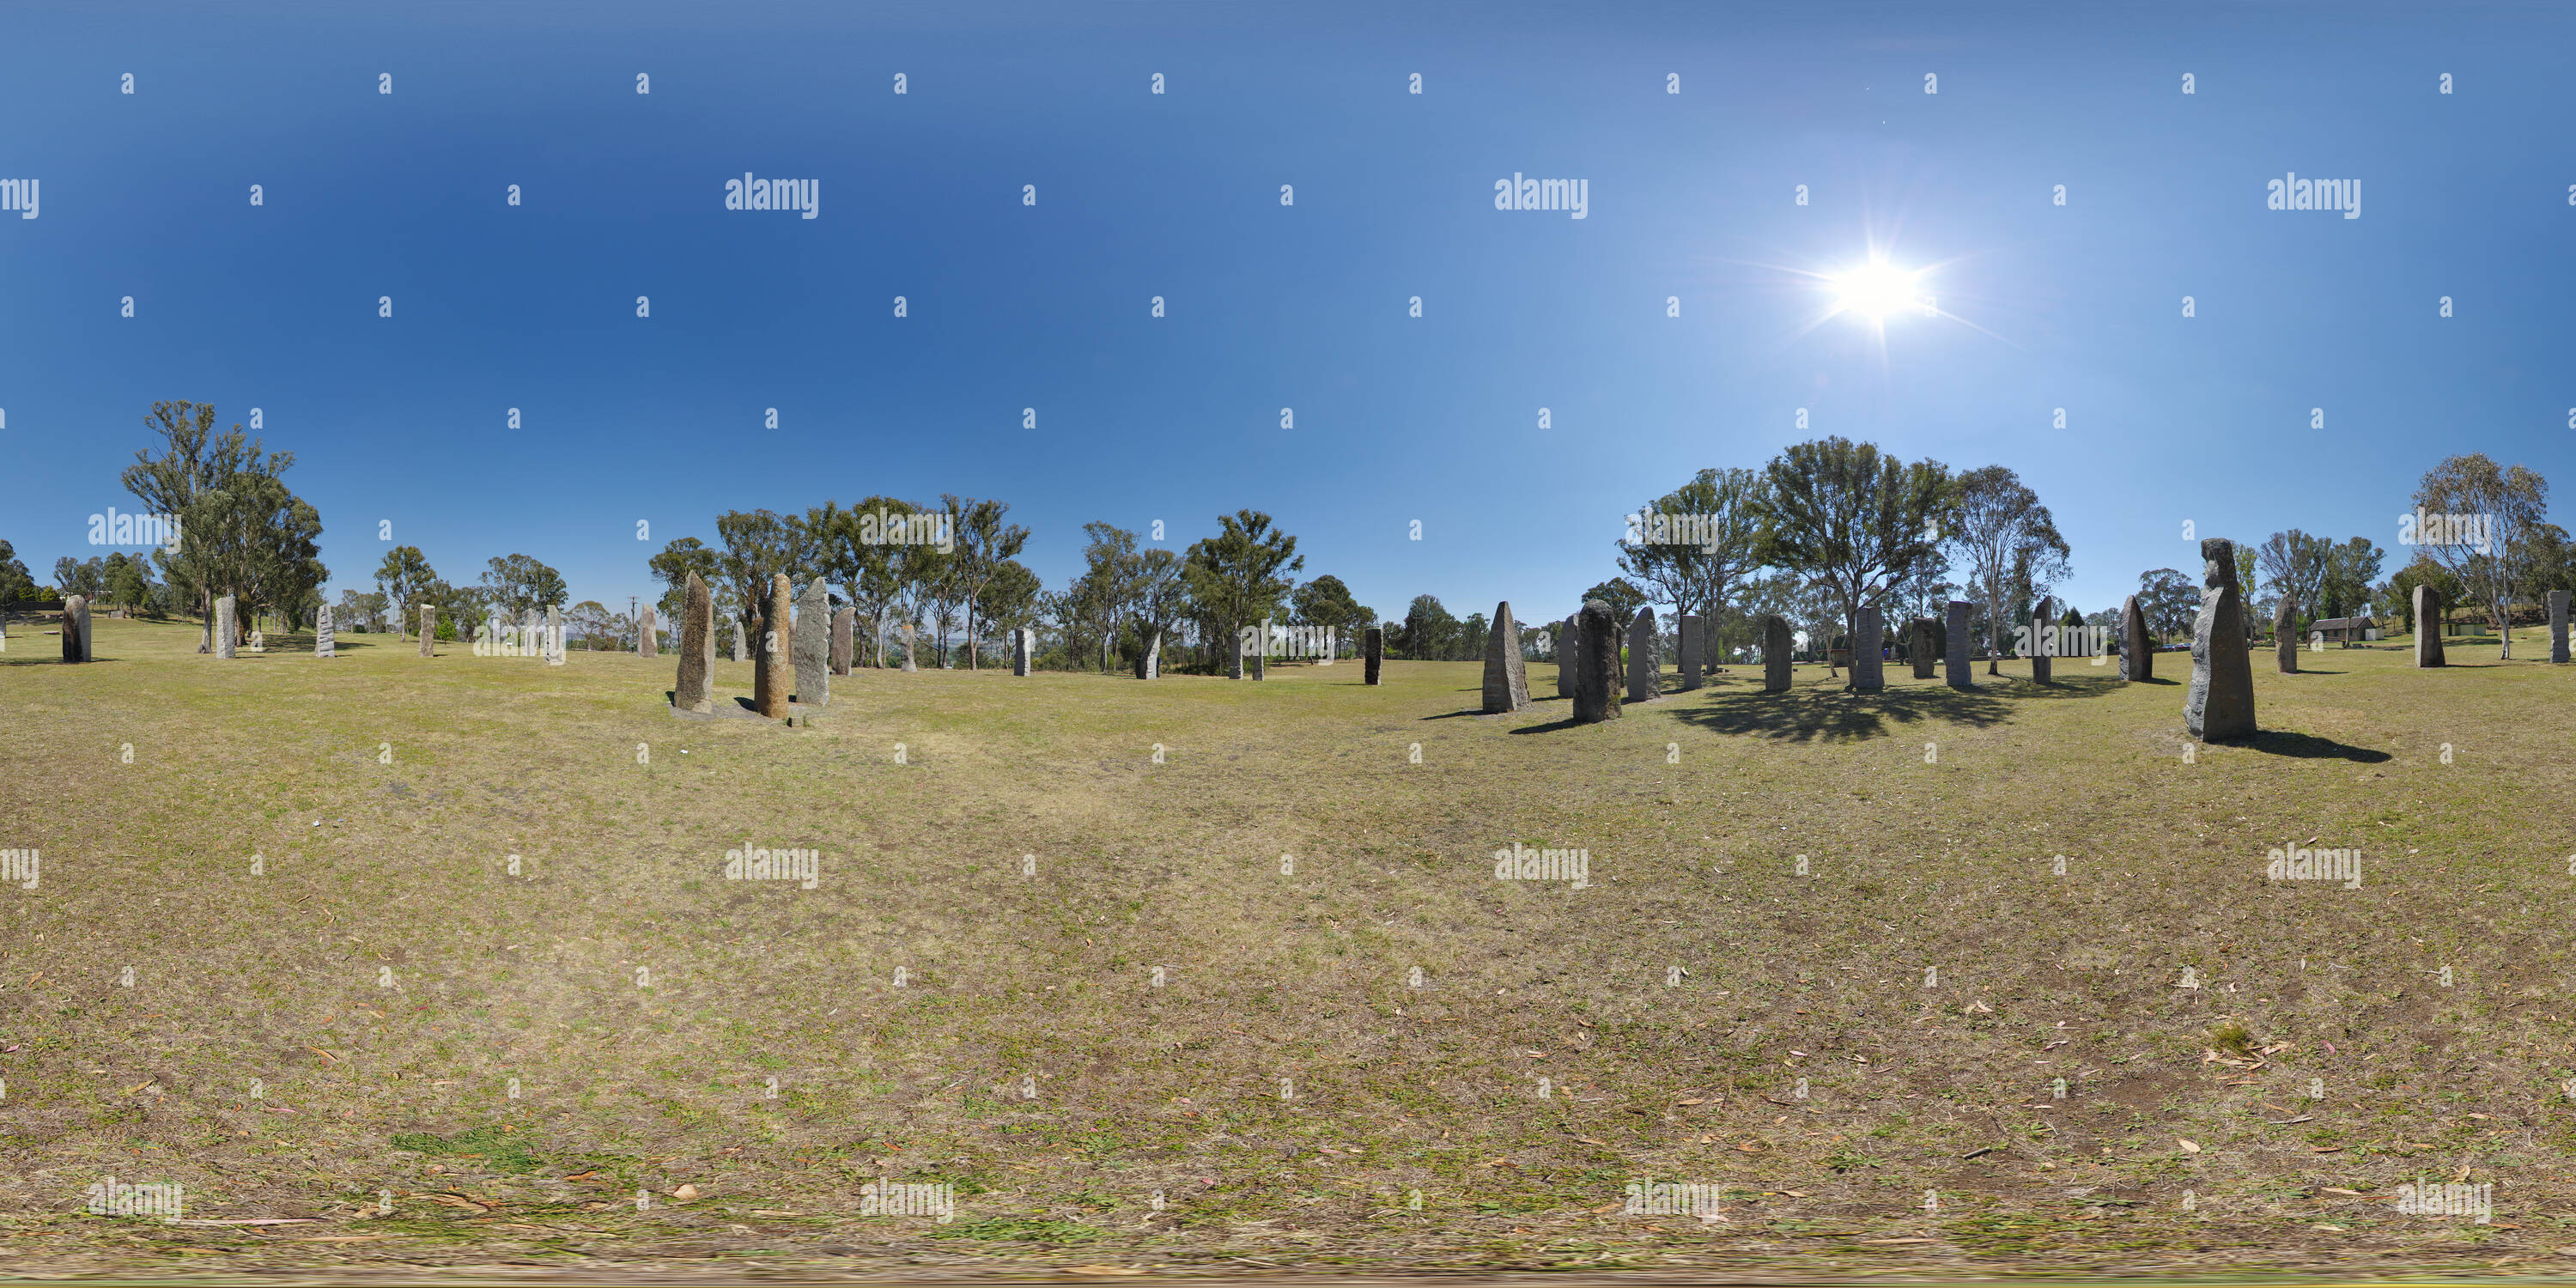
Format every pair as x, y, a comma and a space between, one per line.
1825, 959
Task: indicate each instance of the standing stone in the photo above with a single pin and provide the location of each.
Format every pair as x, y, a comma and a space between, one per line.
1506, 675
814, 646
741, 627
845, 626
1261, 654
1596, 693
1234, 662
2040, 649
648, 630
2221, 704
1776, 660
697, 648
1569, 656
428, 628
2558, 626
1373, 655
1149, 664
76, 628
225, 626
2429, 611
1923, 646
1020, 648
1869, 670
2285, 636
1692, 645
554, 636
325, 644
1645, 659
771, 669
908, 640
1954, 645
2137, 648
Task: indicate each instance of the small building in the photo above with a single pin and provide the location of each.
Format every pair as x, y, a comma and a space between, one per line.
2344, 630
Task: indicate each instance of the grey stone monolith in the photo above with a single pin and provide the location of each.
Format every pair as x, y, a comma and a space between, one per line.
1954, 645
2220, 706
813, 642
910, 639
2042, 652
1923, 648
1777, 656
773, 665
1596, 693
76, 628
1373, 655
1261, 653
741, 627
1149, 664
554, 636
1021, 647
2429, 611
845, 626
428, 629
1506, 673
2137, 647
697, 648
648, 630
1694, 646
2558, 626
1869, 646
2285, 636
225, 625
325, 642
1569, 656
1234, 656
1645, 658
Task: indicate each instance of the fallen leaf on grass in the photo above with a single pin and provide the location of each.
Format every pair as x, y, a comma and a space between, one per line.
686, 1193
583, 1176
458, 1200
324, 1054
2187, 1146
2329, 1189
1694, 1100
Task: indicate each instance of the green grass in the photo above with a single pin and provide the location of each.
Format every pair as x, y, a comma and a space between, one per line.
385, 978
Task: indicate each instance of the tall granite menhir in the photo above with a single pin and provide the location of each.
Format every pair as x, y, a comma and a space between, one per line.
1506, 674
2285, 636
772, 668
225, 626
1373, 655
1954, 639
1569, 657
2041, 651
1869, 643
1776, 659
2220, 707
1923, 648
1596, 693
647, 631
76, 628
697, 648
2558, 626
325, 642
845, 622
2137, 648
813, 640
428, 629
1645, 660
2429, 613
1692, 644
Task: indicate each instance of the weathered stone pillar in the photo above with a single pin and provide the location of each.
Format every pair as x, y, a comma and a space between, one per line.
1869, 643
2220, 706
1694, 647
2558, 626
2042, 652
76, 628
1923, 646
1373, 655
2137, 647
226, 626
697, 648
772, 668
2285, 636
1596, 696
813, 641
325, 643
648, 629
2429, 611
428, 628
1645, 658
1506, 674
1777, 663
1954, 640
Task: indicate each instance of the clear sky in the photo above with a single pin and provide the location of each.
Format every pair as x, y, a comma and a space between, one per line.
1691, 195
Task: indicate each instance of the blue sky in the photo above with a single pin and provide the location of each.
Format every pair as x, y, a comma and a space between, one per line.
1397, 419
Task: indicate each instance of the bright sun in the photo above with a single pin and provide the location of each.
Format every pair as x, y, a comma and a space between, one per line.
1876, 289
